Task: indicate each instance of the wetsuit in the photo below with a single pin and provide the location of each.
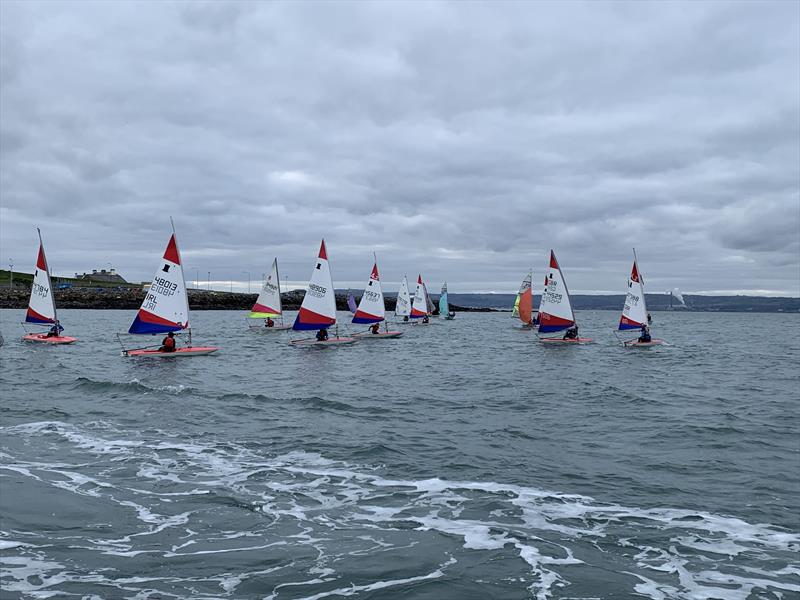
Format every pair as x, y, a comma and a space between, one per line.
571, 333
376, 329
645, 337
322, 335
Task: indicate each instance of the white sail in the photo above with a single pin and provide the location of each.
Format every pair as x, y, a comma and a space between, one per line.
268, 303
419, 307
371, 308
403, 306
555, 309
634, 313
41, 305
166, 305
318, 310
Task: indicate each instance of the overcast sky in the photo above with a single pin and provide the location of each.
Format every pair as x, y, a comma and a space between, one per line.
460, 140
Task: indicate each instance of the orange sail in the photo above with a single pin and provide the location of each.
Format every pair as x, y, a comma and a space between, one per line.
526, 306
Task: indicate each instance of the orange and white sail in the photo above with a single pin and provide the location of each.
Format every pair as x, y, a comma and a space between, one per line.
41, 305
419, 307
525, 306
318, 310
555, 309
371, 308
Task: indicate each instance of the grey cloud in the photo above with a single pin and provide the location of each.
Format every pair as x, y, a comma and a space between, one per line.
462, 140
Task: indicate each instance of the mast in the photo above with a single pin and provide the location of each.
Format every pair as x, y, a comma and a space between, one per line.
47, 273
183, 279
278, 277
641, 282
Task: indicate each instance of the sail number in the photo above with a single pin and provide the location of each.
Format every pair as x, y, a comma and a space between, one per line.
631, 300
317, 291
40, 290
373, 296
162, 287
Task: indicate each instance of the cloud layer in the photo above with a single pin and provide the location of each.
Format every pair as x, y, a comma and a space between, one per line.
460, 140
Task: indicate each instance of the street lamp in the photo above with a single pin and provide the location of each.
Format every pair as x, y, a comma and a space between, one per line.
248, 280
208, 286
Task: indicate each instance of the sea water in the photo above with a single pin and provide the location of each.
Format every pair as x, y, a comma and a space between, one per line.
463, 460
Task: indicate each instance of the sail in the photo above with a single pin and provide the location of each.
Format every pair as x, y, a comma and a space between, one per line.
268, 303
444, 306
428, 301
41, 306
403, 306
419, 307
371, 308
166, 305
525, 306
634, 313
555, 309
515, 310
318, 310
351, 303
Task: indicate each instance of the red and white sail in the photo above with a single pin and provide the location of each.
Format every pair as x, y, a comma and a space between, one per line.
318, 310
41, 305
403, 306
419, 307
268, 303
555, 309
634, 313
371, 308
166, 305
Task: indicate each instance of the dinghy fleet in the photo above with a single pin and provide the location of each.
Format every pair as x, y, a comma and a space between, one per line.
165, 308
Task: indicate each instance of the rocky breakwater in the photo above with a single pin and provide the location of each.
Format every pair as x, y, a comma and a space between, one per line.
130, 298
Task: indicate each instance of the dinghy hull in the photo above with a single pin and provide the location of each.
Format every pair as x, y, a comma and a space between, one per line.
55, 340
340, 341
383, 335
567, 341
269, 329
179, 353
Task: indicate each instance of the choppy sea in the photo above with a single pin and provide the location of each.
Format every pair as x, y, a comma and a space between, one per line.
461, 461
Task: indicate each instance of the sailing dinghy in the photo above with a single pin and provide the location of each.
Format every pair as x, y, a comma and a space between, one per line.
318, 310
634, 313
444, 304
419, 306
524, 303
402, 307
555, 309
371, 309
166, 308
42, 305
268, 304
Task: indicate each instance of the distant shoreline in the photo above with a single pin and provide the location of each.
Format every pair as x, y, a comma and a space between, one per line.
130, 298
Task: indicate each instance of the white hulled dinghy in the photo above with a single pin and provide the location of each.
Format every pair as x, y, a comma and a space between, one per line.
165, 309
318, 310
444, 304
555, 310
634, 313
402, 308
42, 305
268, 304
372, 310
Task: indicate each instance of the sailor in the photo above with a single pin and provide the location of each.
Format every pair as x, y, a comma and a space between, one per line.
649, 319
645, 336
322, 335
405, 318
168, 343
425, 319
55, 330
269, 322
375, 328
571, 333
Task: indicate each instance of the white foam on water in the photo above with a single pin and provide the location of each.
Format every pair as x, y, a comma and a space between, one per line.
703, 555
